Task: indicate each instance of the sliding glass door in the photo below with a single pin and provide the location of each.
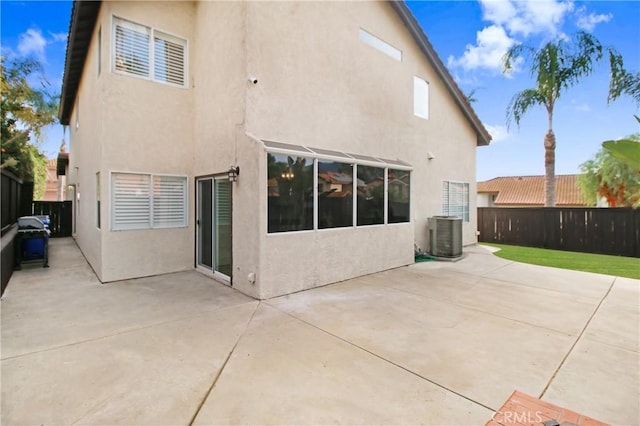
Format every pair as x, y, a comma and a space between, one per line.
213, 239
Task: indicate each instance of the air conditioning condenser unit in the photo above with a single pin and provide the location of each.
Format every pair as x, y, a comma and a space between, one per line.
445, 236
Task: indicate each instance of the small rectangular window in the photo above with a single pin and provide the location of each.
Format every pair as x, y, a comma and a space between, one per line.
289, 193
335, 194
399, 194
380, 45
98, 200
370, 203
455, 199
420, 98
99, 50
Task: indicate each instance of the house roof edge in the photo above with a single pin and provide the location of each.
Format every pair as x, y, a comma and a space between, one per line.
401, 8
83, 20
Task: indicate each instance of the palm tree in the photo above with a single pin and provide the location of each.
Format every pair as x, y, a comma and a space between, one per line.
556, 66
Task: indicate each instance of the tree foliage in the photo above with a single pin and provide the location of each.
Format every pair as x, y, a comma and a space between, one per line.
556, 66
607, 176
622, 82
25, 111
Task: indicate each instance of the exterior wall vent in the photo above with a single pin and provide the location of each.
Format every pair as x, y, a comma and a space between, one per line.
445, 236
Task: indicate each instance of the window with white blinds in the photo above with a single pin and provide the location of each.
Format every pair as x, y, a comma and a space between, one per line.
164, 60
143, 201
455, 199
131, 48
168, 64
169, 201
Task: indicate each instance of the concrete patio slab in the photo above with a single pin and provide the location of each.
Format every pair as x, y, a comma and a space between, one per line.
153, 375
304, 376
432, 343
600, 380
66, 303
478, 354
532, 305
576, 283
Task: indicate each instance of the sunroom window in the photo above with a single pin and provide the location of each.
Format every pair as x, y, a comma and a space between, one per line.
399, 189
134, 53
370, 203
335, 194
290, 192
318, 189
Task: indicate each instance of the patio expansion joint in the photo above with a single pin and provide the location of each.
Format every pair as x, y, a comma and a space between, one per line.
584, 329
388, 361
223, 366
473, 308
119, 332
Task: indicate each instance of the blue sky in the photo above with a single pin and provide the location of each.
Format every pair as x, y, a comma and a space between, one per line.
470, 37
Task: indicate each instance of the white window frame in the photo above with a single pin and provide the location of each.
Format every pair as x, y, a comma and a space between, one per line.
149, 222
153, 34
420, 97
367, 38
455, 199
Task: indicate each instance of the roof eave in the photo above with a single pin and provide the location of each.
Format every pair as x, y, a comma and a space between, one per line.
83, 20
483, 136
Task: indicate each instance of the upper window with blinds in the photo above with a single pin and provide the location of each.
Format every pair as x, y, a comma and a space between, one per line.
148, 53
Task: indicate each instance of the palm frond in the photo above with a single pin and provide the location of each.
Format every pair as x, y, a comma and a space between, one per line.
523, 102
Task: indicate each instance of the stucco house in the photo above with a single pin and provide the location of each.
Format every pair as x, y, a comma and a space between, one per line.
200, 132
528, 191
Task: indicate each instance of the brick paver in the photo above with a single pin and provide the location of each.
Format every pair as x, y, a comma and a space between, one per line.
525, 410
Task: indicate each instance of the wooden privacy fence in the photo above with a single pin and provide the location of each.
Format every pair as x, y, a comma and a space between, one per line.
613, 231
59, 215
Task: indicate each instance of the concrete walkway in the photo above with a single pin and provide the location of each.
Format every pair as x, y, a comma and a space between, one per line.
433, 343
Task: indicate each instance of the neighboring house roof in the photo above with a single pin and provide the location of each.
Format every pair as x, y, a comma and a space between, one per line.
336, 177
85, 13
529, 190
51, 183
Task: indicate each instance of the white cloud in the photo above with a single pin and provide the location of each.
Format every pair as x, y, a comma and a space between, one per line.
491, 45
57, 37
498, 133
589, 22
527, 17
7, 52
32, 43
510, 19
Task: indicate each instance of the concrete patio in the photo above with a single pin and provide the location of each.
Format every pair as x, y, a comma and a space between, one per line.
441, 343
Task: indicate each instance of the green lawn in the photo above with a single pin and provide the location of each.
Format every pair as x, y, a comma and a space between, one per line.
598, 263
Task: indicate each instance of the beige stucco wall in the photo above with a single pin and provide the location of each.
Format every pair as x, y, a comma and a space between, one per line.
320, 86
147, 129
85, 157
220, 82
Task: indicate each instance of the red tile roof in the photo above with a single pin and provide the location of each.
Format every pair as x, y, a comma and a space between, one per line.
529, 190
